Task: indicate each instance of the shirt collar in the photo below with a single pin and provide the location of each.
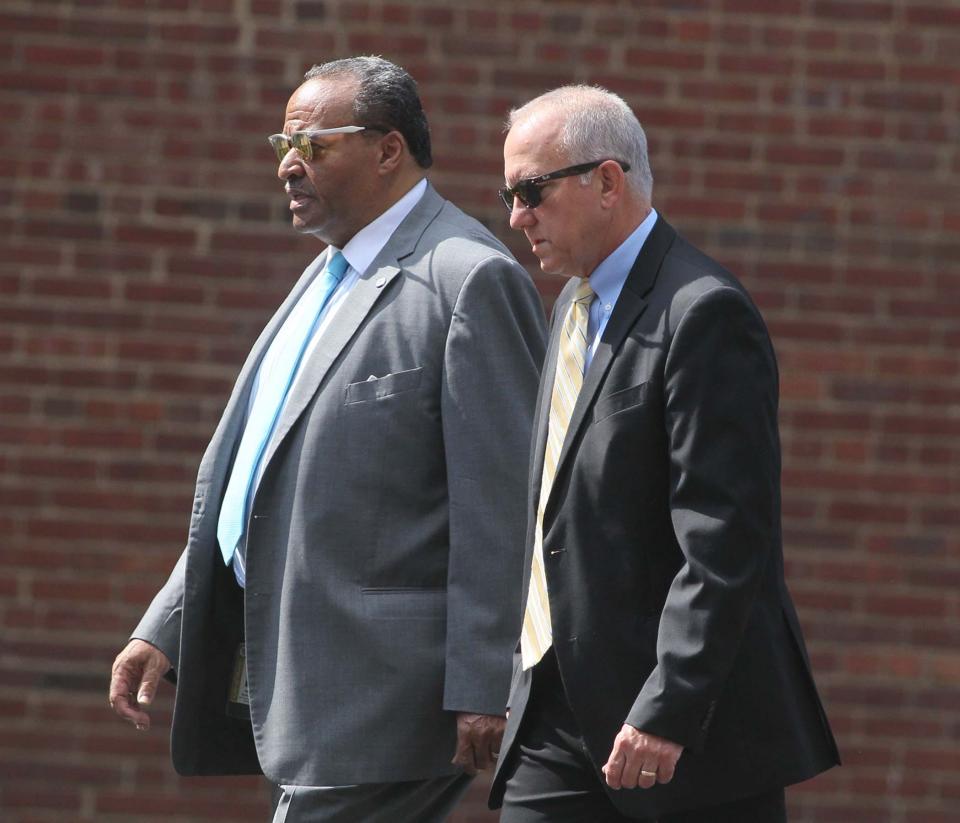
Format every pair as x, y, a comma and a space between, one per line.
362, 249
608, 278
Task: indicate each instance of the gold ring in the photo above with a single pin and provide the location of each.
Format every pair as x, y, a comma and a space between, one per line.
647, 774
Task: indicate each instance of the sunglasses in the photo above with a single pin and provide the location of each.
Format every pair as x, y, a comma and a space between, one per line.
529, 192
302, 140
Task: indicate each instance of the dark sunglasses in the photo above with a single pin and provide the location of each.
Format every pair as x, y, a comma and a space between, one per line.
302, 141
529, 192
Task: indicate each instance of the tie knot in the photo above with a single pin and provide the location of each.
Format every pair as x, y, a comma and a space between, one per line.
337, 266
584, 293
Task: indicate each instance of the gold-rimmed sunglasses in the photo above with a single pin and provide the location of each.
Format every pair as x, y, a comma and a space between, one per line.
302, 141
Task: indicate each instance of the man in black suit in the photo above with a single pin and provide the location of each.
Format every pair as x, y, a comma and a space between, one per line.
661, 672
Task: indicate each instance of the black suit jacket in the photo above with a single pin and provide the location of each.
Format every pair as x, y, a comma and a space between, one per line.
662, 542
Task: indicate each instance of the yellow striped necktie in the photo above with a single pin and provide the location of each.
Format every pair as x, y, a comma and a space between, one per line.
537, 635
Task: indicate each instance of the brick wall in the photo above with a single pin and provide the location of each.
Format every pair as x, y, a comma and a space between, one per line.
811, 145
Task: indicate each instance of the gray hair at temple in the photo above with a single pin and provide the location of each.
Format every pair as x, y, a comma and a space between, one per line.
387, 100
598, 125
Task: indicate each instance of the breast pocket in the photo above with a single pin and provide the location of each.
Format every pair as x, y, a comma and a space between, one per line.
378, 388
404, 603
621, 401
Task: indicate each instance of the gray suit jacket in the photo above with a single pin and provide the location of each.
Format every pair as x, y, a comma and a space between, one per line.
385, 539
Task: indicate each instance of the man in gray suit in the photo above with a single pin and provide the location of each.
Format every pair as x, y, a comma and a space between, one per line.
340, 617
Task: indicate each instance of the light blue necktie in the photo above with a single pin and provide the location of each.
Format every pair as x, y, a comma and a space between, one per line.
275, 378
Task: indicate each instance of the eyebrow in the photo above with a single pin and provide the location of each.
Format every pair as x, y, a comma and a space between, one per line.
518, 178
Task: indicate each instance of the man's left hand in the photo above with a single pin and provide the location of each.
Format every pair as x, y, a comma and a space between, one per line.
478, 741
638, 760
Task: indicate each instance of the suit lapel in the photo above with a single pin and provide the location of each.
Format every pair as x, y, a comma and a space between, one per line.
341, 330
217, 459
631, 303
541, 421
362, 298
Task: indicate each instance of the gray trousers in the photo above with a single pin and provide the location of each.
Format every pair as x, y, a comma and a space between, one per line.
417, 801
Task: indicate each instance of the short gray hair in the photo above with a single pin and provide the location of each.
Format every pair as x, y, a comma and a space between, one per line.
598, 125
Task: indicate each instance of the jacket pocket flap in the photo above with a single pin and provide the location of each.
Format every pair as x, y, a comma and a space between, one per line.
376, 388
404, 603
621, 400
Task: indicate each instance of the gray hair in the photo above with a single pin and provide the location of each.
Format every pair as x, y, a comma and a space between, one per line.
598, 125
387, 100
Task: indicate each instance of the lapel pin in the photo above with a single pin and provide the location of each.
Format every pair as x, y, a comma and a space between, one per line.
381, 282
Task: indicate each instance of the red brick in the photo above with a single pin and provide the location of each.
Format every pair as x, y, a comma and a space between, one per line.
919, 364
103, 29
713, 91
929, 309
900, 101
933, 15
874, 512
753, 64
805, 144
197, 33
756, 123
849, 70
851, 11
846, 126
63, 56
164, 293
796, 155
935, 75
71, 287
151, 236
75, 591
651, 60
776, 7
706, 207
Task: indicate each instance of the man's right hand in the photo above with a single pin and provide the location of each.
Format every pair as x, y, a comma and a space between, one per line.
136, 673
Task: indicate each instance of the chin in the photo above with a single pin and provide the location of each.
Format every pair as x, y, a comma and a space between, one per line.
545, 263
303, 226
548, 266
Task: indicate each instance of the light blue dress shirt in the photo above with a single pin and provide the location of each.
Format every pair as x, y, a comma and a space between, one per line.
608, 278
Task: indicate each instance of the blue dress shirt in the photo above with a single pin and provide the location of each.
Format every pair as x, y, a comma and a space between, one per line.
607, 281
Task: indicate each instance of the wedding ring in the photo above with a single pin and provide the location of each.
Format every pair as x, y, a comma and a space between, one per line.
647, 774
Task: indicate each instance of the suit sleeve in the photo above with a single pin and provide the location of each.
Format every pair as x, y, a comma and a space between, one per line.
160, 624
494, 352
720, 404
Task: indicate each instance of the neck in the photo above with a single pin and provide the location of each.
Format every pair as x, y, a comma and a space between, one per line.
388, 196
400, 185
622, 224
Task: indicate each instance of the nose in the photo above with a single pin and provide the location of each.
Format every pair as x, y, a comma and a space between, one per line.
290, 166
521, 215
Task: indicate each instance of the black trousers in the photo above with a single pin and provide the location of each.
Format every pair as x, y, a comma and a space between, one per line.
553, 780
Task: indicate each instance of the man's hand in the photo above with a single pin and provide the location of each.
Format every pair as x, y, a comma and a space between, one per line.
639, 760
478, 741
136, 671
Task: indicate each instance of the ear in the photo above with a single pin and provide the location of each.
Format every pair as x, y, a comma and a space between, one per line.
612, 183
392, 148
